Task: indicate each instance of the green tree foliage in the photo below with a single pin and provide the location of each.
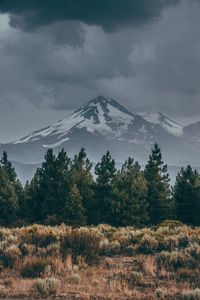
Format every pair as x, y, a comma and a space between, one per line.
8, 168
159, 198
187, 196
81, 176
130, 192
73, 212
52, 190
11, 176
8, 200
105, 171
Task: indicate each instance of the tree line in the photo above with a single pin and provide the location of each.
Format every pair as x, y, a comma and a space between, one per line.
64, 190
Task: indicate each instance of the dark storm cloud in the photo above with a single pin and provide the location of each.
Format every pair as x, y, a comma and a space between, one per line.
52, 60
110, 14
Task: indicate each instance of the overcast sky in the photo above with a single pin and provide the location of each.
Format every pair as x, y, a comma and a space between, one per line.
56, 56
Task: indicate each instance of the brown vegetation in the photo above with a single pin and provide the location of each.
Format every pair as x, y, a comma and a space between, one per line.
100, 262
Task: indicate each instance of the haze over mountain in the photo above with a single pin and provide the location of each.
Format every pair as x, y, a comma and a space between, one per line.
103, 124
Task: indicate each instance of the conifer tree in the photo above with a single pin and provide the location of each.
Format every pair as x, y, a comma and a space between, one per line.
187, 196
11, 175
105, 171
51, 193
73, 211
8, 201
160, 205
8, 168
81, 176
130, 192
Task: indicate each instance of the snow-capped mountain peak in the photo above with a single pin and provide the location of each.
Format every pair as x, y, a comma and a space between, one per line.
99, 116
158, 118
103, 124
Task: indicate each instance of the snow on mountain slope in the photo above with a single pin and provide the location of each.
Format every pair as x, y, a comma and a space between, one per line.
99, 116
102, 117
167, 124
192, 132
103, 124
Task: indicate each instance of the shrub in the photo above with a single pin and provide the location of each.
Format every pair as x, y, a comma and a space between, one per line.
134, 278
171, 224
95, 282
9, 256
159, 293
35, 266
191, 295
186, 274
3, 291
39, 235
170, 243
53, 249
108, 262
148, 245
194, 251
74, 278
183, 240
174, 260
48, 286
109, 248
81, 242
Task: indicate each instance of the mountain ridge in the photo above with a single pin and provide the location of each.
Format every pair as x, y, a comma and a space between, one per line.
103, 124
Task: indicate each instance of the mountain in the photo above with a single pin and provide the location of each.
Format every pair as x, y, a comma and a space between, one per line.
192, 132
159, 119
103, 124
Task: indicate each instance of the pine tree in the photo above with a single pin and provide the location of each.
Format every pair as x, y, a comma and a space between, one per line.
159, 199
73, 212
187, 196
35, 198
8, 168
8, 201
81, 176
41, 192
51, 193
130, 192
105, 171
11, 175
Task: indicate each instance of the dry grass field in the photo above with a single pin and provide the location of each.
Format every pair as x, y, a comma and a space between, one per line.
100, 263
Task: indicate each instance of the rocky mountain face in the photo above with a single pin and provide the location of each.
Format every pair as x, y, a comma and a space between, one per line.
103, 124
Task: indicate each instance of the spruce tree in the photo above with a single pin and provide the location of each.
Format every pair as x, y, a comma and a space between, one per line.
8, 168
105, 171
130, 192
8, 201
11, 175
187, 196
42, 192
160, 205
81, 176
51, 193
73, 211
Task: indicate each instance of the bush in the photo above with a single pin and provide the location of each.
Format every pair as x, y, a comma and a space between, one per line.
171, 224
186, 274
170, 243
191, 295
48, 286
74, 278
159, 293
9, 256
148, 245
81, 242
35, 266
134, 278
194, 251
174, 260
109, 248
